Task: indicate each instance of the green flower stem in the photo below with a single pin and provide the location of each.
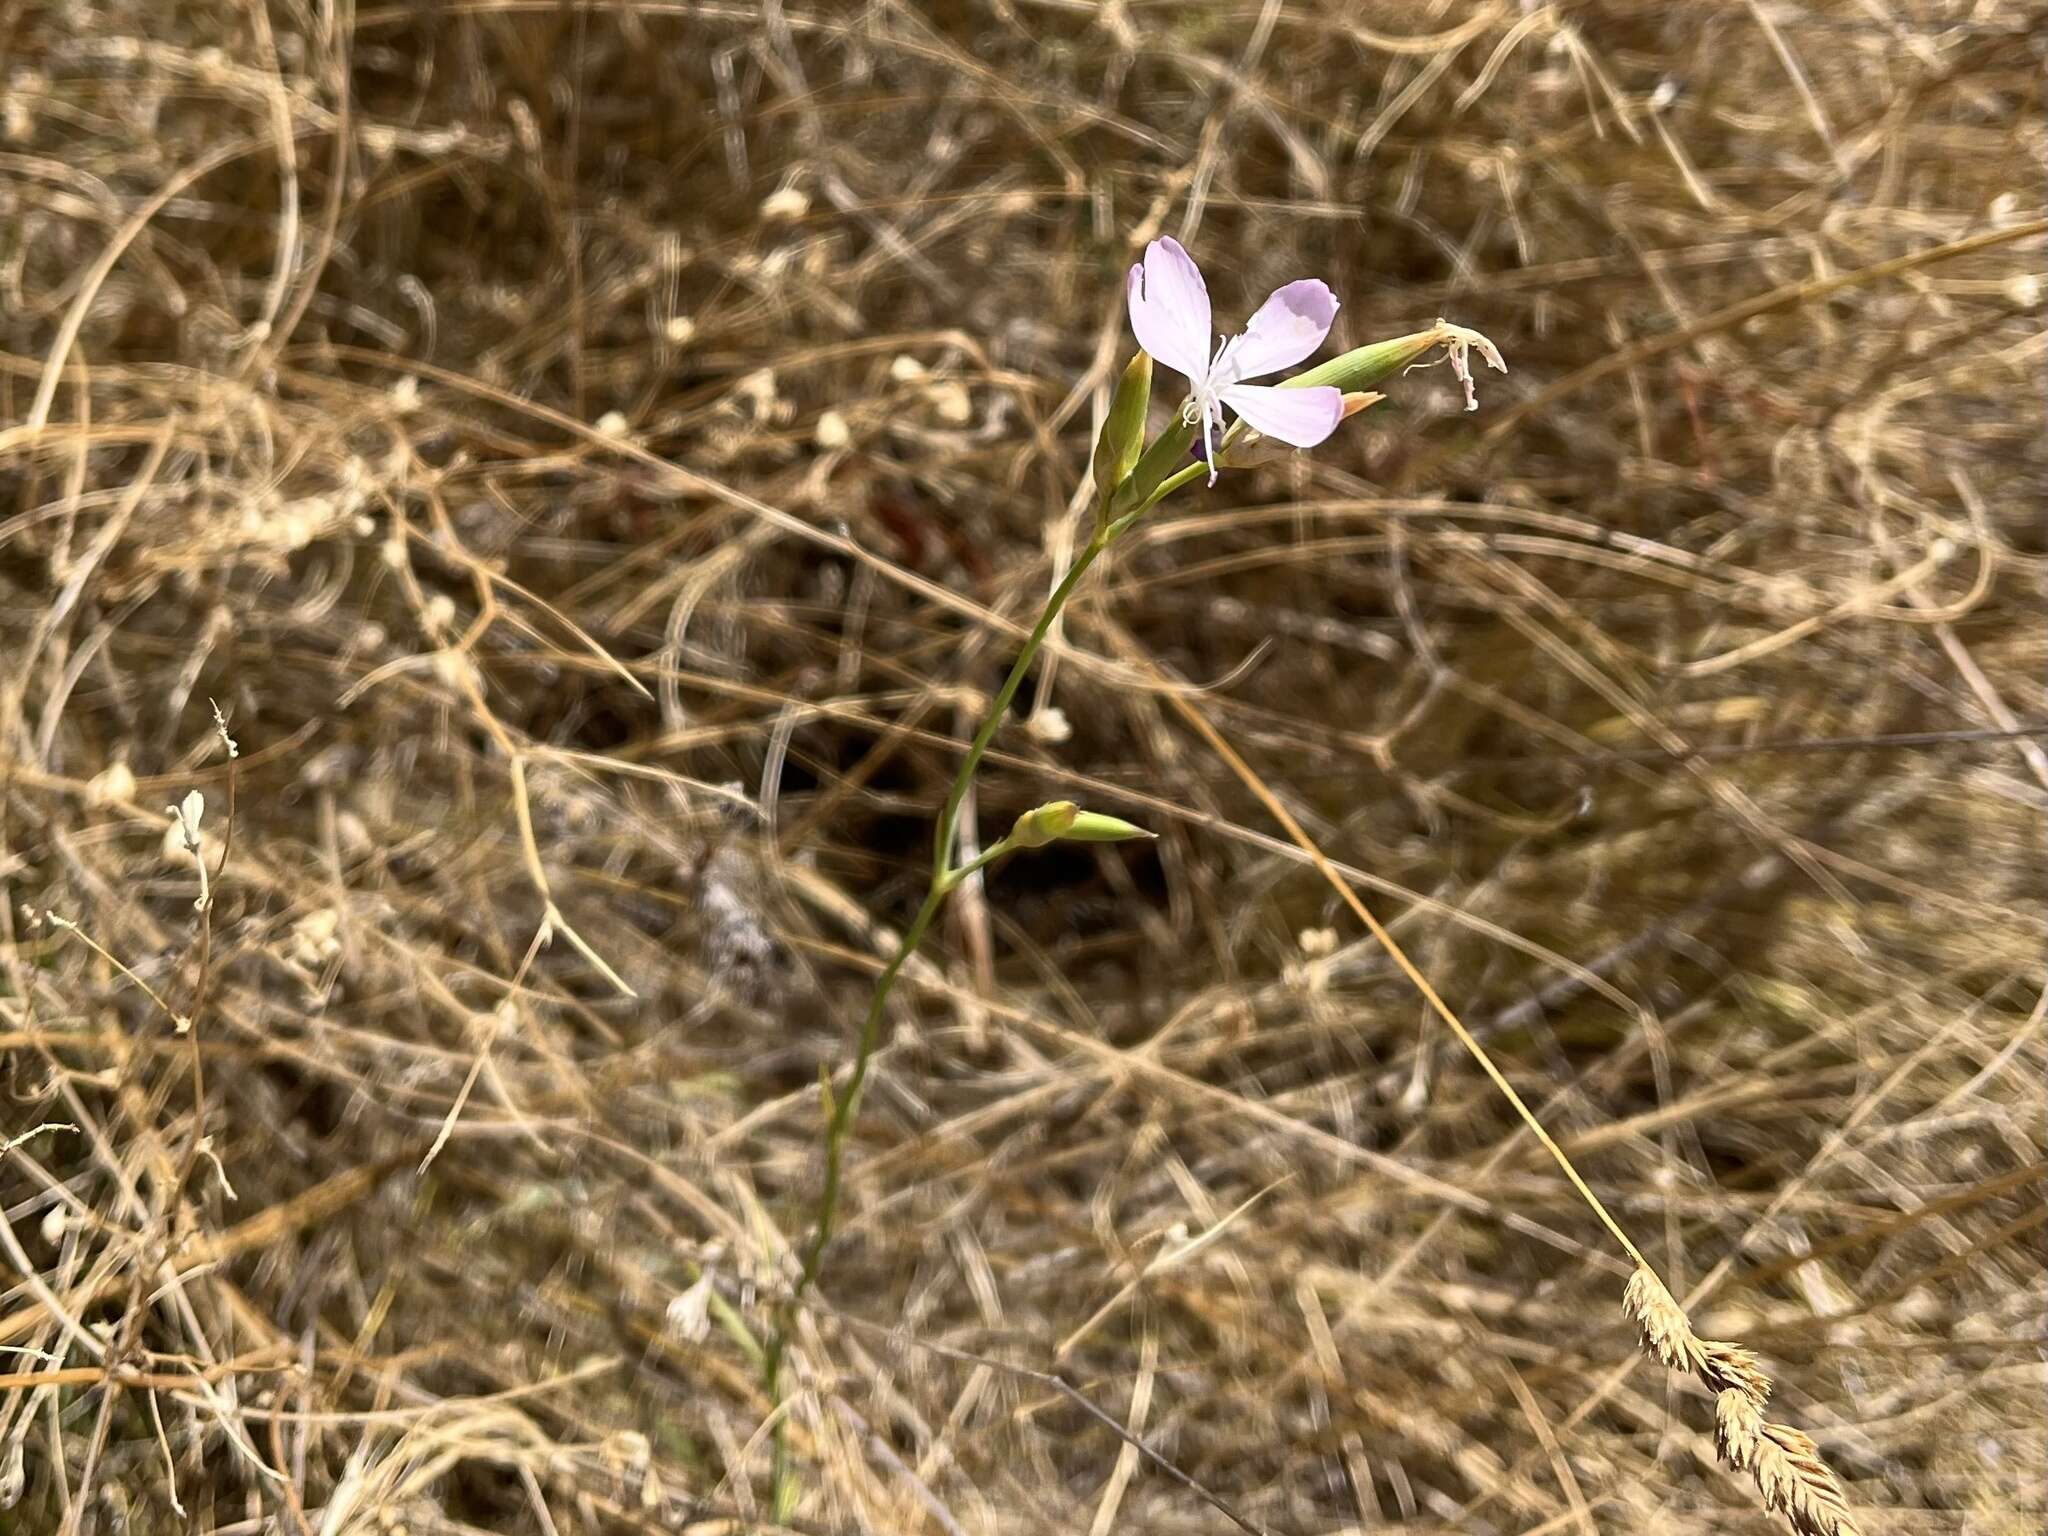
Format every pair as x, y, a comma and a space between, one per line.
1179, 478
981, 860
949, 818
1183, 477
845, 1106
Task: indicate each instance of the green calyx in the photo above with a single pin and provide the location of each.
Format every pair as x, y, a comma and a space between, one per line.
1122, 441
1168, 453
1363, 367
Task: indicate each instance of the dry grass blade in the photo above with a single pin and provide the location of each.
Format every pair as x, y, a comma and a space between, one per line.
602, 458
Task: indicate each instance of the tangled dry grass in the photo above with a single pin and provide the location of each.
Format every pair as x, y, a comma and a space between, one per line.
596, 457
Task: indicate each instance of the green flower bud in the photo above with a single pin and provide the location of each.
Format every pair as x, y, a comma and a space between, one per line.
1044, 824
1093, 827
1123, 430
1063, 821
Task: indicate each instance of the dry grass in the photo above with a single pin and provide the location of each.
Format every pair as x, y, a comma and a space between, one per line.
598, 457
1790, 1474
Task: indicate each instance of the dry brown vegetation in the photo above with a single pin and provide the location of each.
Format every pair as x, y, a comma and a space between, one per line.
597, 458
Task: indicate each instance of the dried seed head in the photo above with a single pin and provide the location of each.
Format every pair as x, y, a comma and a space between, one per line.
689, 1314
1731, 1368
315, 938
950, 399
1786, 1464
1666, 1334
831, 431
1738, 1426
1049, 726
1797, 1484
784, 204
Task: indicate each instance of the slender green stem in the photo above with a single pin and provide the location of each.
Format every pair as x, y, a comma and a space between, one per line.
846, 1105
1173, 482
981, 860
949, 818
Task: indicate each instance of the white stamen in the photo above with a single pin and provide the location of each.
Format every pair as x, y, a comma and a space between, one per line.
1207, 403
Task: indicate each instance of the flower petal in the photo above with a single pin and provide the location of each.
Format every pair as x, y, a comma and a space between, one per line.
1288, 327
1170, 309
1303, 417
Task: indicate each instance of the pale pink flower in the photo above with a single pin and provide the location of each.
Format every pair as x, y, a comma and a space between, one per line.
1170, 317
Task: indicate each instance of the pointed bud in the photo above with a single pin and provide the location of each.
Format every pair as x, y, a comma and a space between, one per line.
1357, 400
1044, 824
1093, 827
1123, 429
1062, 821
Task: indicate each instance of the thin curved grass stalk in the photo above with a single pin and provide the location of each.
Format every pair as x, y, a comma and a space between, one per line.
1787, 1466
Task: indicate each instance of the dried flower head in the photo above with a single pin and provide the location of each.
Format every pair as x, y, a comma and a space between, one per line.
1786, 1464
185, 816
1459, 343
1667, 1334
1797, 1484
689, 1313
112, 784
